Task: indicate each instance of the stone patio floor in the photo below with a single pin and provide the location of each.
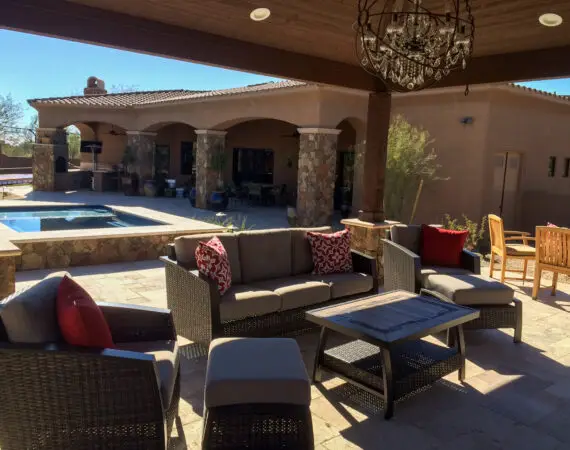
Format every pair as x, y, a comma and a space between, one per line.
514, 397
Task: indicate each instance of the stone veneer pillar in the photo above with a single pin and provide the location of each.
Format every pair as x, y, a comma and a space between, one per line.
316, 176
8, 254
143, 144
50, 144
208, 143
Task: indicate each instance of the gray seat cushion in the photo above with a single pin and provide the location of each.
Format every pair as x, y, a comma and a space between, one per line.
185, 247
408, 236
345, 284
249, 371
427, 271
30, 316
166, 355
302, 257
243, 300
297, 291
471, 290
265, 254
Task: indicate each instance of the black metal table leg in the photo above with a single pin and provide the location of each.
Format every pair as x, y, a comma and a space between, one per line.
460, 341
388, 376
319, 354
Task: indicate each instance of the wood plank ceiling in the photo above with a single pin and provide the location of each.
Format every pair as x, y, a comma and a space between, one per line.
324, 28
309, 40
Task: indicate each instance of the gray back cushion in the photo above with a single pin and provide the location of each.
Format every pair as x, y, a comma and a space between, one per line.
30, 316
302, 258
407, 236
265, 254
185, 247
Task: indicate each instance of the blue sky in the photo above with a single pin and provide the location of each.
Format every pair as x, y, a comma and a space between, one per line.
36, 66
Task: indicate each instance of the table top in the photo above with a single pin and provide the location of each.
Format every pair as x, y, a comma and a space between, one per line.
392, 317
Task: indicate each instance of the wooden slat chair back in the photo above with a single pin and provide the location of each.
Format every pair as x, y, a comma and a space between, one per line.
552, 254
504, 246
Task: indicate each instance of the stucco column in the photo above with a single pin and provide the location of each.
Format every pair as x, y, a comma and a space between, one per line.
51, 143
142, 143
208, 144
316, 176
370, 161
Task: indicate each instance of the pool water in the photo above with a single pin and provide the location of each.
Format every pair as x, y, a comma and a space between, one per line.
50, 218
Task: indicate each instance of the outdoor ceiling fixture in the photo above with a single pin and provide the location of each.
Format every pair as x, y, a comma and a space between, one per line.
550, 20
259, 14
408, 46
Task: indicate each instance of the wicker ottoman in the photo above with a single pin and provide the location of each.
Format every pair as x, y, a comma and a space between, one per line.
257, 395
495, 300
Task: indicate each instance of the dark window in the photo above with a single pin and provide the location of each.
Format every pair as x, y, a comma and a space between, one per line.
552, 166
186, 158
252, 165
566, 171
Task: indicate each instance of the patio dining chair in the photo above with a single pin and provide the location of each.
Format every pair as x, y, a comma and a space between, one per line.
552, 254
504, 245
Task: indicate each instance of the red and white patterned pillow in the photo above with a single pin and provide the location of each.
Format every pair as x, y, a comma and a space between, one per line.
331, 252
212, 260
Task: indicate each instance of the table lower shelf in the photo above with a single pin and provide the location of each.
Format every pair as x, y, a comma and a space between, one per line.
415, 365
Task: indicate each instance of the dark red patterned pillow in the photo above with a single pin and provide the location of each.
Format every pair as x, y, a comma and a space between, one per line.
331, 252
212, 260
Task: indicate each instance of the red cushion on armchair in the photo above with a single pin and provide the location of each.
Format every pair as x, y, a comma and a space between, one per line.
81, 321
441, 247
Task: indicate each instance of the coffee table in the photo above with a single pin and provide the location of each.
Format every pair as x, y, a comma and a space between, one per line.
388, 358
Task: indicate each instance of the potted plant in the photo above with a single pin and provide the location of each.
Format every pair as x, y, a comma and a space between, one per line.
219, 198
129, 179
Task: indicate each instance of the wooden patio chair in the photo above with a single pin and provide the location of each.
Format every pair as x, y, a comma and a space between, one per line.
552, 254
502, 247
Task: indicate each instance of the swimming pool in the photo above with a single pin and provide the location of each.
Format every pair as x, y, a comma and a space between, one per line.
52, 218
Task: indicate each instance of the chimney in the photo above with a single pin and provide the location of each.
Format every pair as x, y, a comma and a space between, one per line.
95, 86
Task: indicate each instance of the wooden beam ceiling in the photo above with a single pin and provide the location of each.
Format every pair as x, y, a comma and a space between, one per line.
309, 40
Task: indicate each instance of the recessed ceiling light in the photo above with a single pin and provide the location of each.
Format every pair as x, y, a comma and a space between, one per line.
259, 14
550, 20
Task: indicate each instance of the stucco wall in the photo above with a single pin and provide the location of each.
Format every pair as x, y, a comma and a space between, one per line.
172, 135
459, 149
267, 134
113, 145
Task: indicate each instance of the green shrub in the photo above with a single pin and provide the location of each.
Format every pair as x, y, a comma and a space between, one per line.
475, 231
238, 223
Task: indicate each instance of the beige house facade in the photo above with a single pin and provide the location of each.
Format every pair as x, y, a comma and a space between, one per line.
501, 144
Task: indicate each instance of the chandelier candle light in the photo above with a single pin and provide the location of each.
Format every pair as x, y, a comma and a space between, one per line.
408, 46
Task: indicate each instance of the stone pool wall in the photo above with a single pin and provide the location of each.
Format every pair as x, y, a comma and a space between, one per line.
60, 254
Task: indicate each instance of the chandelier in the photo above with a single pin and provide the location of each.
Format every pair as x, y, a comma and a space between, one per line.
408, 46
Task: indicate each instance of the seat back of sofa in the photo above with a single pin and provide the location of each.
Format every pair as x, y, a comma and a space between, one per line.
185, 247
301, 255
408, 236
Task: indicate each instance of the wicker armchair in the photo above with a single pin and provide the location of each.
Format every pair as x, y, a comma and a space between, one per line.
58, 396
402, 262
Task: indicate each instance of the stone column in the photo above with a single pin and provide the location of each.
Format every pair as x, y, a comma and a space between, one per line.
316, 176
51, 143
370, 162
8, 254
209, 144
142, 143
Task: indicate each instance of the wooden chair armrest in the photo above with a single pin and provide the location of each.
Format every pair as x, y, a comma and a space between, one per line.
520, 233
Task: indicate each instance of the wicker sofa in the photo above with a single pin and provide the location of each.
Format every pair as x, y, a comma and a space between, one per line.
58, 396
272, 285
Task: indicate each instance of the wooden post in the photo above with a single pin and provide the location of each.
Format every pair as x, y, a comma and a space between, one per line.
374, 158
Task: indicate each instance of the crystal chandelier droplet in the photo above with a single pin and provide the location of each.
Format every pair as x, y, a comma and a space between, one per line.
412, 48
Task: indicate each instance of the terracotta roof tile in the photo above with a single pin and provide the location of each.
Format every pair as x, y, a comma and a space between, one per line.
133, 99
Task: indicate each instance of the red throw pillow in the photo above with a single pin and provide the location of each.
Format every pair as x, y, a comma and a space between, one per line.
441, 247
331, 252
212, 260
80, 319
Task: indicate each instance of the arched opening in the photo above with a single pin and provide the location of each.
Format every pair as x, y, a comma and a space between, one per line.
175, 152
263, 152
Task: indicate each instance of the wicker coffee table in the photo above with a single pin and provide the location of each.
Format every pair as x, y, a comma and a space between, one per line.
388, 358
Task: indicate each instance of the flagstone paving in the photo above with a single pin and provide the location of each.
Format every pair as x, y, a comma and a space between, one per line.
514, 396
